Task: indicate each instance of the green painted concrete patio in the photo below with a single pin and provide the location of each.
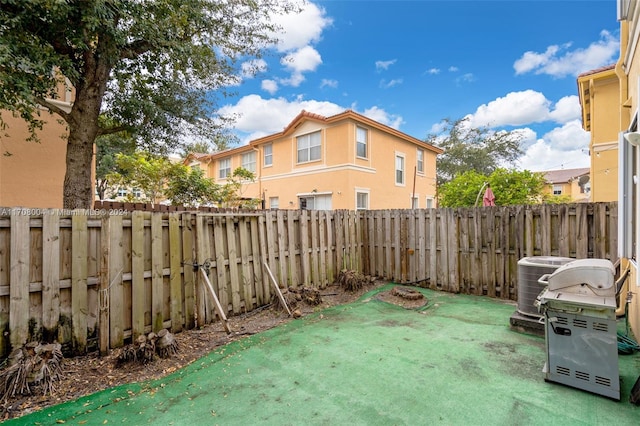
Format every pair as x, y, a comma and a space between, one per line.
454, 362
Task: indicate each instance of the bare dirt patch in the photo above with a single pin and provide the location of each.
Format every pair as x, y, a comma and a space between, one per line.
92, 373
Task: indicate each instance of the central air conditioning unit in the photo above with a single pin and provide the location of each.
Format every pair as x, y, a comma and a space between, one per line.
530, 269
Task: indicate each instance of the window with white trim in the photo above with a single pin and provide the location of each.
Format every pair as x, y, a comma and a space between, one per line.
557, 189
415, 203
309, 147
399, 169
362, 200
274, 203
267, 152
224, 168
249, 161
429, 202
362, 137
420, 160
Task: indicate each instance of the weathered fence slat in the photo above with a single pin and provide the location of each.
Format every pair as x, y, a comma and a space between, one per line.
175, 279
189, 258
304, 249
157, 285
115, 288
138, 299
50, 275
79, 282
19, 279
234, 274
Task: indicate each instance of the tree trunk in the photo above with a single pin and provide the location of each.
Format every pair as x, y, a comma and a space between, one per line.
83, 130
78, 186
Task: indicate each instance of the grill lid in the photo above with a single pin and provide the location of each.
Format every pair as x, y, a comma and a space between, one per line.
588, 277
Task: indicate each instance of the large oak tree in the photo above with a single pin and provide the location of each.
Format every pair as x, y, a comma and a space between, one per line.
147, 67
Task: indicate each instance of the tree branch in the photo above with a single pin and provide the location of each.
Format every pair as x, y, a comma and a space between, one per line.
112, 130
53, 108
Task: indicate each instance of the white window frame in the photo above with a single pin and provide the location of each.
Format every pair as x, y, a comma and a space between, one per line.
429, 202
274, 203
249, 161
267, 154
420, 160
362, 132
364, 192
313, 148
557, 189
402, 170
224, 168
415, 202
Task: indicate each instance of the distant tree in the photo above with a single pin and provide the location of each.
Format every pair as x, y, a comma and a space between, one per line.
188, 186
223, 140
201, 147
510, 187
148, 172
468, 148
107, 147
513, 187
152, 68
231, 194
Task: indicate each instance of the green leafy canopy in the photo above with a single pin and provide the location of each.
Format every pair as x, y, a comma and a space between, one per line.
151, 68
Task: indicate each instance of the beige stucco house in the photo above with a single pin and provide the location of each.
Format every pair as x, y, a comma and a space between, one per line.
568, 182
600, 118
345, 161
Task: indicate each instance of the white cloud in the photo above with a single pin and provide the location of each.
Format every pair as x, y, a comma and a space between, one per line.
269, 86
515, 109
466, 78
559, 61
570, 136
453, 69
566, 109
252, 67
525, 107
383, 117
301, 29
302, 60
391, 83
257, 116
564, 147
433, 71
328, 83
384, 65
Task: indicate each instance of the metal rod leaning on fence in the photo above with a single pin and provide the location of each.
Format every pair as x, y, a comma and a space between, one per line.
215, 300
275, 284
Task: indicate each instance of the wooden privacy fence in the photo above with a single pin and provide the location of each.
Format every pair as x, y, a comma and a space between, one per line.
97, 279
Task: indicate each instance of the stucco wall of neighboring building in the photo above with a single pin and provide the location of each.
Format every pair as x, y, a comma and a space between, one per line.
32, 174
600, 98
340, 173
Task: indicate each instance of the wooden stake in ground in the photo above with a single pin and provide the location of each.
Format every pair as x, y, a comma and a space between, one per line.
275, 284
216, 302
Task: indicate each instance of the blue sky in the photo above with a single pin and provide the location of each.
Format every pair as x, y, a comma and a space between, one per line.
409, 64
